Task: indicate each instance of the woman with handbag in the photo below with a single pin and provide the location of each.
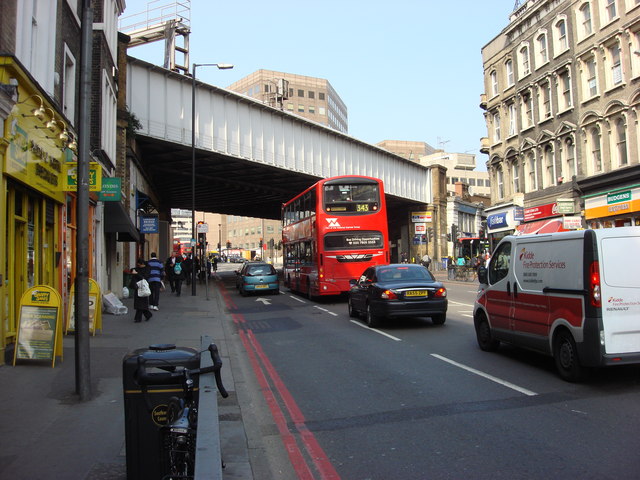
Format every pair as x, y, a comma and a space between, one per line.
140, 300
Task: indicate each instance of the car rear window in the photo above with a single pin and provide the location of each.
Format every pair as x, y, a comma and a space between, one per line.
261, 270
403, 273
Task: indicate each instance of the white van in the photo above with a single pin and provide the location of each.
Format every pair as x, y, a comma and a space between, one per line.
573, 295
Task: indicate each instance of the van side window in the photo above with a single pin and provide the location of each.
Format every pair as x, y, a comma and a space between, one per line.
499, 266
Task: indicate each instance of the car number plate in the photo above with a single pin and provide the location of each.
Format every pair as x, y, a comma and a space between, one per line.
262, 286
415, 293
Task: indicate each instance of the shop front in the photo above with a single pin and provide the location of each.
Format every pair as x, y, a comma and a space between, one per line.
549, 218
616, 208
33, 209
502, 220
612, 199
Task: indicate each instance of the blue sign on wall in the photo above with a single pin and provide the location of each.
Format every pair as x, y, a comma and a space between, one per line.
149, 224
498, 220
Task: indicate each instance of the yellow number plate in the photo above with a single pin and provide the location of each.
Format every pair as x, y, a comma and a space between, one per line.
415, 293
262, 286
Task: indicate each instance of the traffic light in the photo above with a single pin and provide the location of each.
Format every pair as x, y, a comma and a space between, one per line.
454, 233
228, 244
430, 233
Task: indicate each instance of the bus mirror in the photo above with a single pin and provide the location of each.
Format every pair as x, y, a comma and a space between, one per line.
482, 275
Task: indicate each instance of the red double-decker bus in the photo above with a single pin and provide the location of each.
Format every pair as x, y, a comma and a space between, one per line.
332, 232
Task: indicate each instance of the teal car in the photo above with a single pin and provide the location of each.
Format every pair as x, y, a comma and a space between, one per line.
257, 277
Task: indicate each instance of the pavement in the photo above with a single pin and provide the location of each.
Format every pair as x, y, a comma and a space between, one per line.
47, 433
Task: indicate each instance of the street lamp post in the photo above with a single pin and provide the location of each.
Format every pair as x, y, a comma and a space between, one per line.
221, 66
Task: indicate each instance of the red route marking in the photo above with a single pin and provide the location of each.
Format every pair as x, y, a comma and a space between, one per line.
322, 463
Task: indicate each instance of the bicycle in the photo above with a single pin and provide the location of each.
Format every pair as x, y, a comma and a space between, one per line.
179, 432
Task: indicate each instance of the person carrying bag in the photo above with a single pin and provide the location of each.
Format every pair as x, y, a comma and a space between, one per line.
139, 285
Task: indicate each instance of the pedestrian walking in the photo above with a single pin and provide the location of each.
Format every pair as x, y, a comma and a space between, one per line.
156, 272
178, 275
168, 271
140, 304
426, 261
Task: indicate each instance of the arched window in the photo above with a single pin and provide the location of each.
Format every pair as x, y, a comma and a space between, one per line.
500, 182
508, 67
532, 178
494, 83
570, 167
596, 151
586, 27
561, 39
515, 175
523, 57
542, 51
549, 179
621, 142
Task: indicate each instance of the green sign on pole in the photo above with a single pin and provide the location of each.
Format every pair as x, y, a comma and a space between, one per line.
111, 189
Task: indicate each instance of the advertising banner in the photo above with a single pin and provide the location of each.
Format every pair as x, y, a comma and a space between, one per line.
95, 308
39, 325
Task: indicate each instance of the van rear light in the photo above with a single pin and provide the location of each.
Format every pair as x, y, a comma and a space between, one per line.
594, 284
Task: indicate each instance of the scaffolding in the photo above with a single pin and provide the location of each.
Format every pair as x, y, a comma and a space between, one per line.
163, 20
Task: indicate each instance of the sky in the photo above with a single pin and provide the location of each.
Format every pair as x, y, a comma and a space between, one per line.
406, 69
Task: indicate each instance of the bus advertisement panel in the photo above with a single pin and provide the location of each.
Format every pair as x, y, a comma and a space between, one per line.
332, 232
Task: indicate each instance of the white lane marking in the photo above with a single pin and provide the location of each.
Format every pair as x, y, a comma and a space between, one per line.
466, 315
263, 300
298, 299
486, 375
376, 330
325, 310
451, 302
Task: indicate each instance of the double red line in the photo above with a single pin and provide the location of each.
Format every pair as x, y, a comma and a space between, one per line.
270, 384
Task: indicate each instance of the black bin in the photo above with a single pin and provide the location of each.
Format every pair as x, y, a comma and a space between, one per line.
145, 408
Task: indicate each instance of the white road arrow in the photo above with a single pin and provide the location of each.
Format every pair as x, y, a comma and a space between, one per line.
263, 300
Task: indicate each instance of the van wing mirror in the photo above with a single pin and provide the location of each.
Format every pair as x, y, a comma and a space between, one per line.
482, 275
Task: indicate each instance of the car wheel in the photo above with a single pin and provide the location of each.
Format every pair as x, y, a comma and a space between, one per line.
373, 321
242, 291
276, 291
439, 319
483, 333
353, 313
565, 355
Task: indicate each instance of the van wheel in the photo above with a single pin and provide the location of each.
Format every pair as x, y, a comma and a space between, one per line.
373, 321
565, 355
483, 333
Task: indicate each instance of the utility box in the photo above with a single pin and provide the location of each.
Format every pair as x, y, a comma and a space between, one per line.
145, 407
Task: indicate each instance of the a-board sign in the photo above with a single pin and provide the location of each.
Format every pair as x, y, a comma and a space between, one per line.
39, 325
95, 308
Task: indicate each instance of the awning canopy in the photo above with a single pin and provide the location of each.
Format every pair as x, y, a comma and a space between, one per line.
116, 220
550, 225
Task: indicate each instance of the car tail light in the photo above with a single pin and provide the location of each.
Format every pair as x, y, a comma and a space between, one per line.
594, 284
441, 292
389, 295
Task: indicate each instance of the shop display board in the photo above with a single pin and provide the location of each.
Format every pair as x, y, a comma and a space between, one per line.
95, 309
39, 326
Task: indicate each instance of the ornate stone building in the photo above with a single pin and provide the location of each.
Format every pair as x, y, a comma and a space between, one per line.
561, 96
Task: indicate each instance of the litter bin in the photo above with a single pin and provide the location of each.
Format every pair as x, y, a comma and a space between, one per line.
145, 408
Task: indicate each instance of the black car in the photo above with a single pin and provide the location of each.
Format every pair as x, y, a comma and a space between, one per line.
397, 290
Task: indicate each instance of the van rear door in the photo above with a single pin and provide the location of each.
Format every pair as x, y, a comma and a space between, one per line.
619, 258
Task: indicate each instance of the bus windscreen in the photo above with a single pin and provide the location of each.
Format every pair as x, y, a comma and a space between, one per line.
351, 198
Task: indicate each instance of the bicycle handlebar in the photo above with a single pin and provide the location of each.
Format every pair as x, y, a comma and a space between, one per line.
169, 377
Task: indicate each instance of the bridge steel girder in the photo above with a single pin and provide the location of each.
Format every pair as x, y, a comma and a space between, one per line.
250, 157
